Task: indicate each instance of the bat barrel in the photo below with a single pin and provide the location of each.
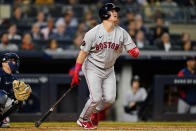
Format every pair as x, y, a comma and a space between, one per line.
37, 123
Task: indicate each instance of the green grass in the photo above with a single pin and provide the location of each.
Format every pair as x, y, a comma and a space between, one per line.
109, 123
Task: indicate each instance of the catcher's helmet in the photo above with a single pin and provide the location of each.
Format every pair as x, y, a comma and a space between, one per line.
15, 57
104, 13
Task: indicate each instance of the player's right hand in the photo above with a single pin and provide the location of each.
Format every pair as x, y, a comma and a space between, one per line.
75, 79
134, 52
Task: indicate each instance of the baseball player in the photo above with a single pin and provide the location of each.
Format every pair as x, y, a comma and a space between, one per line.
12, 91
100, 48
187, 95
133, 100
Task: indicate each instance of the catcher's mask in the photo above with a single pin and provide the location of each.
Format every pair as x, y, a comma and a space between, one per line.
104, 13
12, 56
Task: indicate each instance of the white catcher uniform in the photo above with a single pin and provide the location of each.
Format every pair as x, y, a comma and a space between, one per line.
103, 49
130, 96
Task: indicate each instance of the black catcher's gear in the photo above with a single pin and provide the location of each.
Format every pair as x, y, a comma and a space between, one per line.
12, 56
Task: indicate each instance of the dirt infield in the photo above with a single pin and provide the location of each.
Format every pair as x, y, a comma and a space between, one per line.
103, 127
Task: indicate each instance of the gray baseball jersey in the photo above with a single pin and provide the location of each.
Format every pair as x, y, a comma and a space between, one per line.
139, 96
103, 47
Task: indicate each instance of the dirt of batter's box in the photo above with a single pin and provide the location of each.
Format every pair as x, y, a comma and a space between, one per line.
102, 128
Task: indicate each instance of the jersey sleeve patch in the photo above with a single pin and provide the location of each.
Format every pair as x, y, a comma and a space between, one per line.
83, 43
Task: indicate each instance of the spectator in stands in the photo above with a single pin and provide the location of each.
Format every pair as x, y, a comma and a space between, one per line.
92, 22
131, 29
187, 46
44, 2
35, 32
130, 15
133, 100
81, 28
17, 16
12, 33
53, 47
69, 19
191, 8
140, 40
152, 9
169, 8
165, 43
60, 32
27, 43
186, 42
189, 3
87, 1
41, 19
78, 40
139, 24
187, 94
47, 31
141, 2
5, 45
87, 17
158, 30
71, 2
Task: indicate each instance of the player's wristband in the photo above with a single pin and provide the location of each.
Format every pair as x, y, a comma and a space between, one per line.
77, 68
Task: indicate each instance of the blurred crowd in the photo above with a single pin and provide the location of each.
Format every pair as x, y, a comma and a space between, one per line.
57, 25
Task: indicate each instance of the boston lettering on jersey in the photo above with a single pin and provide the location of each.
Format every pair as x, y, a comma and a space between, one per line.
107, 45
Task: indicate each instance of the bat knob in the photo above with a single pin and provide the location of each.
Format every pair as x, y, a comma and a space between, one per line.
37, 124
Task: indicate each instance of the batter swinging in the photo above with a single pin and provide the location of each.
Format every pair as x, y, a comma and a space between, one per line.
100, 48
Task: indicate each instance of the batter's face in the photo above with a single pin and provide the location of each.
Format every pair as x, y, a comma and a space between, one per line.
114, 16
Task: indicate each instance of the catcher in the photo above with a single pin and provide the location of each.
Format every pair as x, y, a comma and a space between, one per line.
12, 91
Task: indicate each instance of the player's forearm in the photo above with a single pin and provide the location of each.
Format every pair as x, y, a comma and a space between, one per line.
80, 60
81, 57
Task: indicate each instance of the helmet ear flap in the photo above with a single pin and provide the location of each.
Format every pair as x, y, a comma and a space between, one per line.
106, 15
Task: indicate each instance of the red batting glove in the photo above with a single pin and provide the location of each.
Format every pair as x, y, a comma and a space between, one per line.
134, 52
75, 79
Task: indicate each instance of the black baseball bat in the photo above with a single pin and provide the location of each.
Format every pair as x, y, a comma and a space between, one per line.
46, 114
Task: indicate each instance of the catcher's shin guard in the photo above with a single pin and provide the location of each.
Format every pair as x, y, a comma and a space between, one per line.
15, 106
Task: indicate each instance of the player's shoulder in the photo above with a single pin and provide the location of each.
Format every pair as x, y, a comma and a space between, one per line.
119, 28
142, 89
94, 29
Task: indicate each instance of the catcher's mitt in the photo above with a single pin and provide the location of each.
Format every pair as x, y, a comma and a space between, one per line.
22, 91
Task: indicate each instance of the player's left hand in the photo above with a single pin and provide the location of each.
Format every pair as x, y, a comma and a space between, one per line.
75, 80
22, 91
134, 52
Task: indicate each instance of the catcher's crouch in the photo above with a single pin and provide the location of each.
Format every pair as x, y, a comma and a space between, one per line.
12, 91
